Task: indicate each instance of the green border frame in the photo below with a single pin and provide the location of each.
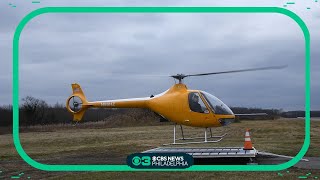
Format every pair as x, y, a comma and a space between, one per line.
49, 167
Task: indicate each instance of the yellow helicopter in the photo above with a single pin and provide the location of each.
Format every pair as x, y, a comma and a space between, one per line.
178, 104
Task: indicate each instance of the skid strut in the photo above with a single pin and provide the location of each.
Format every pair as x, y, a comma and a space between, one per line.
211, 136
196, 142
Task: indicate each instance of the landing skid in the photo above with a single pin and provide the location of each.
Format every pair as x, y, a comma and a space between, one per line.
196, 142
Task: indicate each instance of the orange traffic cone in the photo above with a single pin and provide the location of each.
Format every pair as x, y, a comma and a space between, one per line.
247, 141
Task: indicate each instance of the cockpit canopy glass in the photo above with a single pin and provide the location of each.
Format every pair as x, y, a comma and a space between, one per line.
196, 104
216, 104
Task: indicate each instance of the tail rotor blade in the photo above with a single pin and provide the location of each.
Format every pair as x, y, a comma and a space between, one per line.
73, 108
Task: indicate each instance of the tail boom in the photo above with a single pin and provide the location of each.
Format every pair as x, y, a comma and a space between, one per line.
77, 103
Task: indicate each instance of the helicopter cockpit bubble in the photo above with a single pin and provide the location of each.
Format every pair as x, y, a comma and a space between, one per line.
216, 104
75, 104
196, 104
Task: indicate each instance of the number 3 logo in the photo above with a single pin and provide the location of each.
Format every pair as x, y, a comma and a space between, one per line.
146, 160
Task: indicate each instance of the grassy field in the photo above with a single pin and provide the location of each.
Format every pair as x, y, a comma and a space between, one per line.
94, 143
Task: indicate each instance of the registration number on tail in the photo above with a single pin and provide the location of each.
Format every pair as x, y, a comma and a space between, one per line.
107, 104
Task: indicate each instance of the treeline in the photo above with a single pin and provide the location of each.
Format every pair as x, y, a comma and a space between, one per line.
295, 114
33, 111
271, 113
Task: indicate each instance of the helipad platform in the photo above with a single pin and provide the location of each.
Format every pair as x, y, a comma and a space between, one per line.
212, 152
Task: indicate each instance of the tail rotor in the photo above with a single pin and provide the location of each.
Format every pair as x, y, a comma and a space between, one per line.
77, 103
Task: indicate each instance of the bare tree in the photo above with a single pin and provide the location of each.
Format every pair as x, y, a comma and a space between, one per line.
35, 110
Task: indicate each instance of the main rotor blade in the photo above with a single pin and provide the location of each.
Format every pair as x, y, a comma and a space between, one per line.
241, 70
128, 75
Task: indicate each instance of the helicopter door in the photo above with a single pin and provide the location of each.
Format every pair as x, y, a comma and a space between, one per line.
196, 104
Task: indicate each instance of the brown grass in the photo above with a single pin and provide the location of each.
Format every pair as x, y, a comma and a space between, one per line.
88, 142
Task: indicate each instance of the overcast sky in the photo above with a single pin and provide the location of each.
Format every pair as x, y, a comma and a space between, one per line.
105, 53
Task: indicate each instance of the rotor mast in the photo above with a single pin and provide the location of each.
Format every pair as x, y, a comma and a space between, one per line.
179, 77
